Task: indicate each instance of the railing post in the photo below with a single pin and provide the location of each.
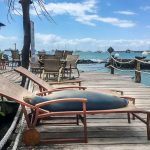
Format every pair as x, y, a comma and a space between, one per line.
112, 64
137, 71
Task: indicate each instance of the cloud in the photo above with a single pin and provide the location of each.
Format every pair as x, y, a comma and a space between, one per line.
145, 8
52, 41
129, 13
118, 22
5, 38
84, 12
148, 26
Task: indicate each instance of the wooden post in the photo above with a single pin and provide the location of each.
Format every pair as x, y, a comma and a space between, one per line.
112, 64
137, 72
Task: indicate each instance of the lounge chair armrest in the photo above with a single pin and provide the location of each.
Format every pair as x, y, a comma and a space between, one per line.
82, 100
129, 98
72, 87
66, 82
59, 89
48, 92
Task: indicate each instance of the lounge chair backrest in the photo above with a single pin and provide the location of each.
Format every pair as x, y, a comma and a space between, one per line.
33, 77
9, 90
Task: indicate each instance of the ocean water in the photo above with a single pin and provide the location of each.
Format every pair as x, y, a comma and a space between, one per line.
100, 67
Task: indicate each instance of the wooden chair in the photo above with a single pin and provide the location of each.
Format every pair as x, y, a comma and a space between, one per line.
2, 64
59, 54
35, 66
71, 64
33, 113
67, 53
52, 67
15, 58
49, 57
41, 54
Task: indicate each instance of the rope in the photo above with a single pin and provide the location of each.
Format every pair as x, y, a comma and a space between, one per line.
142, 61
119, 69
127, 62
145, 72
21, 128
9, 132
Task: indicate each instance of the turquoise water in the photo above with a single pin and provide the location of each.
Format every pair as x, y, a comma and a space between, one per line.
100, 67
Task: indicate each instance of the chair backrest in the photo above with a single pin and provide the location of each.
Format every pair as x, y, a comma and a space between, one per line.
59, 53
41, 54
5, 56
1, 55
51, 65
10, 89
67, 53
34, 62
15, 54
49, 57
33, 77
72, 60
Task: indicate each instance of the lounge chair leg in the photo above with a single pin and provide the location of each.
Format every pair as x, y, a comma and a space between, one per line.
85, 124
85, 129
31, 137
77, 119
129, 119
148, 126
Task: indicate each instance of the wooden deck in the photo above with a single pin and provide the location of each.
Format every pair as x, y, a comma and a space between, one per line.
105, 132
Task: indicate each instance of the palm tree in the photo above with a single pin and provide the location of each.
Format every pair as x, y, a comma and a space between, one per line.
27, 32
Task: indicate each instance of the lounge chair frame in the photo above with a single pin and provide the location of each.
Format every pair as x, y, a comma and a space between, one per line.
31, 136
43, 85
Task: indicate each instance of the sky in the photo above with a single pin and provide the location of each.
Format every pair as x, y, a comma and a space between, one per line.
87, 25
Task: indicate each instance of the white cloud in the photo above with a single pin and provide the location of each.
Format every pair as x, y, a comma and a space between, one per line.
5, 38
148, 26
47, 39
7, 41
83, 12
51, 41
129, 13
117, 22
145, 8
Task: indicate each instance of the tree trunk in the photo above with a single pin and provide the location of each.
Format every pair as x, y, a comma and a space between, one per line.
27, 36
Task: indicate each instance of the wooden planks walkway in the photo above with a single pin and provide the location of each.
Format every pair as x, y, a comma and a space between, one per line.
105, 132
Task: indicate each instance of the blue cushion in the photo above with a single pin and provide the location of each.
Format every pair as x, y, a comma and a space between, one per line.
95, 101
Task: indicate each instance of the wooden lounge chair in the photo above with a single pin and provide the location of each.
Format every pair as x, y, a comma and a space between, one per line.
43, 85
32, 137
34, 112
